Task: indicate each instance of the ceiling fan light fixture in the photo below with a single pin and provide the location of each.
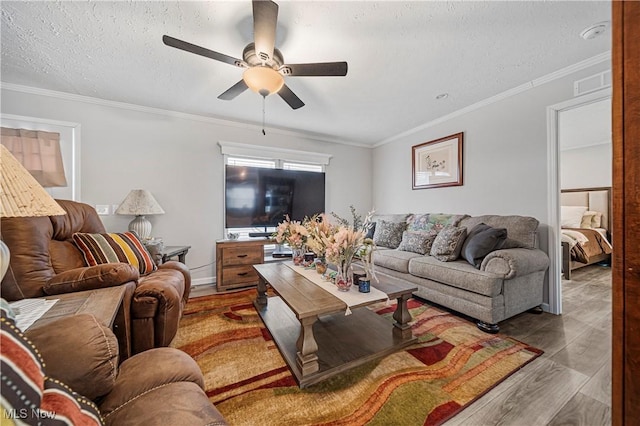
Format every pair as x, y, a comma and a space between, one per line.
263, 80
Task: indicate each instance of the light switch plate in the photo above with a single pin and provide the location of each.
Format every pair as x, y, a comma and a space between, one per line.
102, 209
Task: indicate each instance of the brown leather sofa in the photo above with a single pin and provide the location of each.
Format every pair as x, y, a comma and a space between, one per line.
45, 261
162, 386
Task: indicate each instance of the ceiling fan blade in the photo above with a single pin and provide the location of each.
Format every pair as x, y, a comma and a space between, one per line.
290, 97
265, 20
234, 91
328, 69
192, 48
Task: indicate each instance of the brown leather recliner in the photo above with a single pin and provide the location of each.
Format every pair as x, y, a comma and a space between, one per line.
45, 261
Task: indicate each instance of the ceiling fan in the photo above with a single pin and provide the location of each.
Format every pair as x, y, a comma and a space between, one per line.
264, 65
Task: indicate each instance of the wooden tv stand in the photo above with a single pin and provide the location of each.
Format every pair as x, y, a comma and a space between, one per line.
234, 259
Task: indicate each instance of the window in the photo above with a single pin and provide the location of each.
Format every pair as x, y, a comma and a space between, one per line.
303, 167
273, 158
251, 162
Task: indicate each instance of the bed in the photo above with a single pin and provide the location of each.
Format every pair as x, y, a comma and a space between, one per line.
585, 227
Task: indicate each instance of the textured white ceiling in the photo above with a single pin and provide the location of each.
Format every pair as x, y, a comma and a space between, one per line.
400, 54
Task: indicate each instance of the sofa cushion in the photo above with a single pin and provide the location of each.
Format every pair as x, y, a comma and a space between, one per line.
388, 234
396, 260
481, 241
448, 244
417, 241
520, 228
114, 248
458, 274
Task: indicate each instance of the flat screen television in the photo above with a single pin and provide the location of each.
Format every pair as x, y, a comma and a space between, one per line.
259, 198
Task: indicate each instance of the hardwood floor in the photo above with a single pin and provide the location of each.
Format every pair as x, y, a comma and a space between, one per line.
570, 384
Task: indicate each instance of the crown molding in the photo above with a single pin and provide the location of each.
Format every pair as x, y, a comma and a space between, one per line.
174, 114
595, 60
603, 57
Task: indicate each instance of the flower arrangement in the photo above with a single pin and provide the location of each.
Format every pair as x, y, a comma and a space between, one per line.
319, 229
341, 247
291, 232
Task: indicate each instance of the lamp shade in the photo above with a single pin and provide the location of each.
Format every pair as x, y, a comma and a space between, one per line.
263, 80
140, 202
22, 195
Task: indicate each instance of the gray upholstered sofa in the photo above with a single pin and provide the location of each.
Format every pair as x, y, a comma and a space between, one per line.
505, 282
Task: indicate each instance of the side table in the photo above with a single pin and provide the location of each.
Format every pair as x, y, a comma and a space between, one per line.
172, 251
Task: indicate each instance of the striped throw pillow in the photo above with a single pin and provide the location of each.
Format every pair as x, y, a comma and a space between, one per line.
28, 396
115, 248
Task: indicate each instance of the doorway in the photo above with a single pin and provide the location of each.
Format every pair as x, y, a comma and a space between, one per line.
559, 116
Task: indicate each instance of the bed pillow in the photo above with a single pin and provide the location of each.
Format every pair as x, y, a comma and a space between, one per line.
587, 219
115, 248
448, 244
417, 241
482, 240
388, 234
596, 219
571, 216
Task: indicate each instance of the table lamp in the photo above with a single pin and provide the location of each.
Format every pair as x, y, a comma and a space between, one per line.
140, 202
21, 196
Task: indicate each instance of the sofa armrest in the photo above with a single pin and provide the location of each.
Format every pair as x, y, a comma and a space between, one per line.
80, 352
182, 268
91, 278
515, 262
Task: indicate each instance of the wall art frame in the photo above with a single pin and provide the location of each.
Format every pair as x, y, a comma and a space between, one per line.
437, 163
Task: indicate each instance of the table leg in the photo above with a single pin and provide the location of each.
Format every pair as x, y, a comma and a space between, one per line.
262, 292
307, 360
402, 316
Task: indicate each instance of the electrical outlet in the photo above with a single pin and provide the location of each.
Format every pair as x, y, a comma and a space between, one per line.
102, 209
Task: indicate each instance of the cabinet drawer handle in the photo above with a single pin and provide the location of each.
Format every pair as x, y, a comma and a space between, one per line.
242, 255
242, 274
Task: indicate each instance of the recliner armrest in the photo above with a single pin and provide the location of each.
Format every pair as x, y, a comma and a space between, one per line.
91, 278
182, 268
80, 352
515, 262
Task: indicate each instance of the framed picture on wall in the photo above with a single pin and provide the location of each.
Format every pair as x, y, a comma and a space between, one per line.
437, 163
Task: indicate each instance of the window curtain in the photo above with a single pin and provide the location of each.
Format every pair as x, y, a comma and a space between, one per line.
39, 152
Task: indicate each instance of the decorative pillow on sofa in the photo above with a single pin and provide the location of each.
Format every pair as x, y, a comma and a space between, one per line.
115, 248
27, 394
448, 244
417, 241
419, 222
482, 240
388, 234
433, 221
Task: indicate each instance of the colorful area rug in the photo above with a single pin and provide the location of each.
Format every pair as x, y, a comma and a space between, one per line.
452, 365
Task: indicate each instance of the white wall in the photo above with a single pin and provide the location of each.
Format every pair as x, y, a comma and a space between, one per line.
588, 167
177, 158
505, 159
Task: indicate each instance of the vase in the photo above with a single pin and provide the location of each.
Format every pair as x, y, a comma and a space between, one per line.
321, 265
298, 256
344, 279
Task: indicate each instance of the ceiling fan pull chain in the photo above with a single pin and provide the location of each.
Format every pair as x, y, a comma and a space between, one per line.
263, 101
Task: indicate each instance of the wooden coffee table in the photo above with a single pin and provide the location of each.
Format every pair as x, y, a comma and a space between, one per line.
312, 332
